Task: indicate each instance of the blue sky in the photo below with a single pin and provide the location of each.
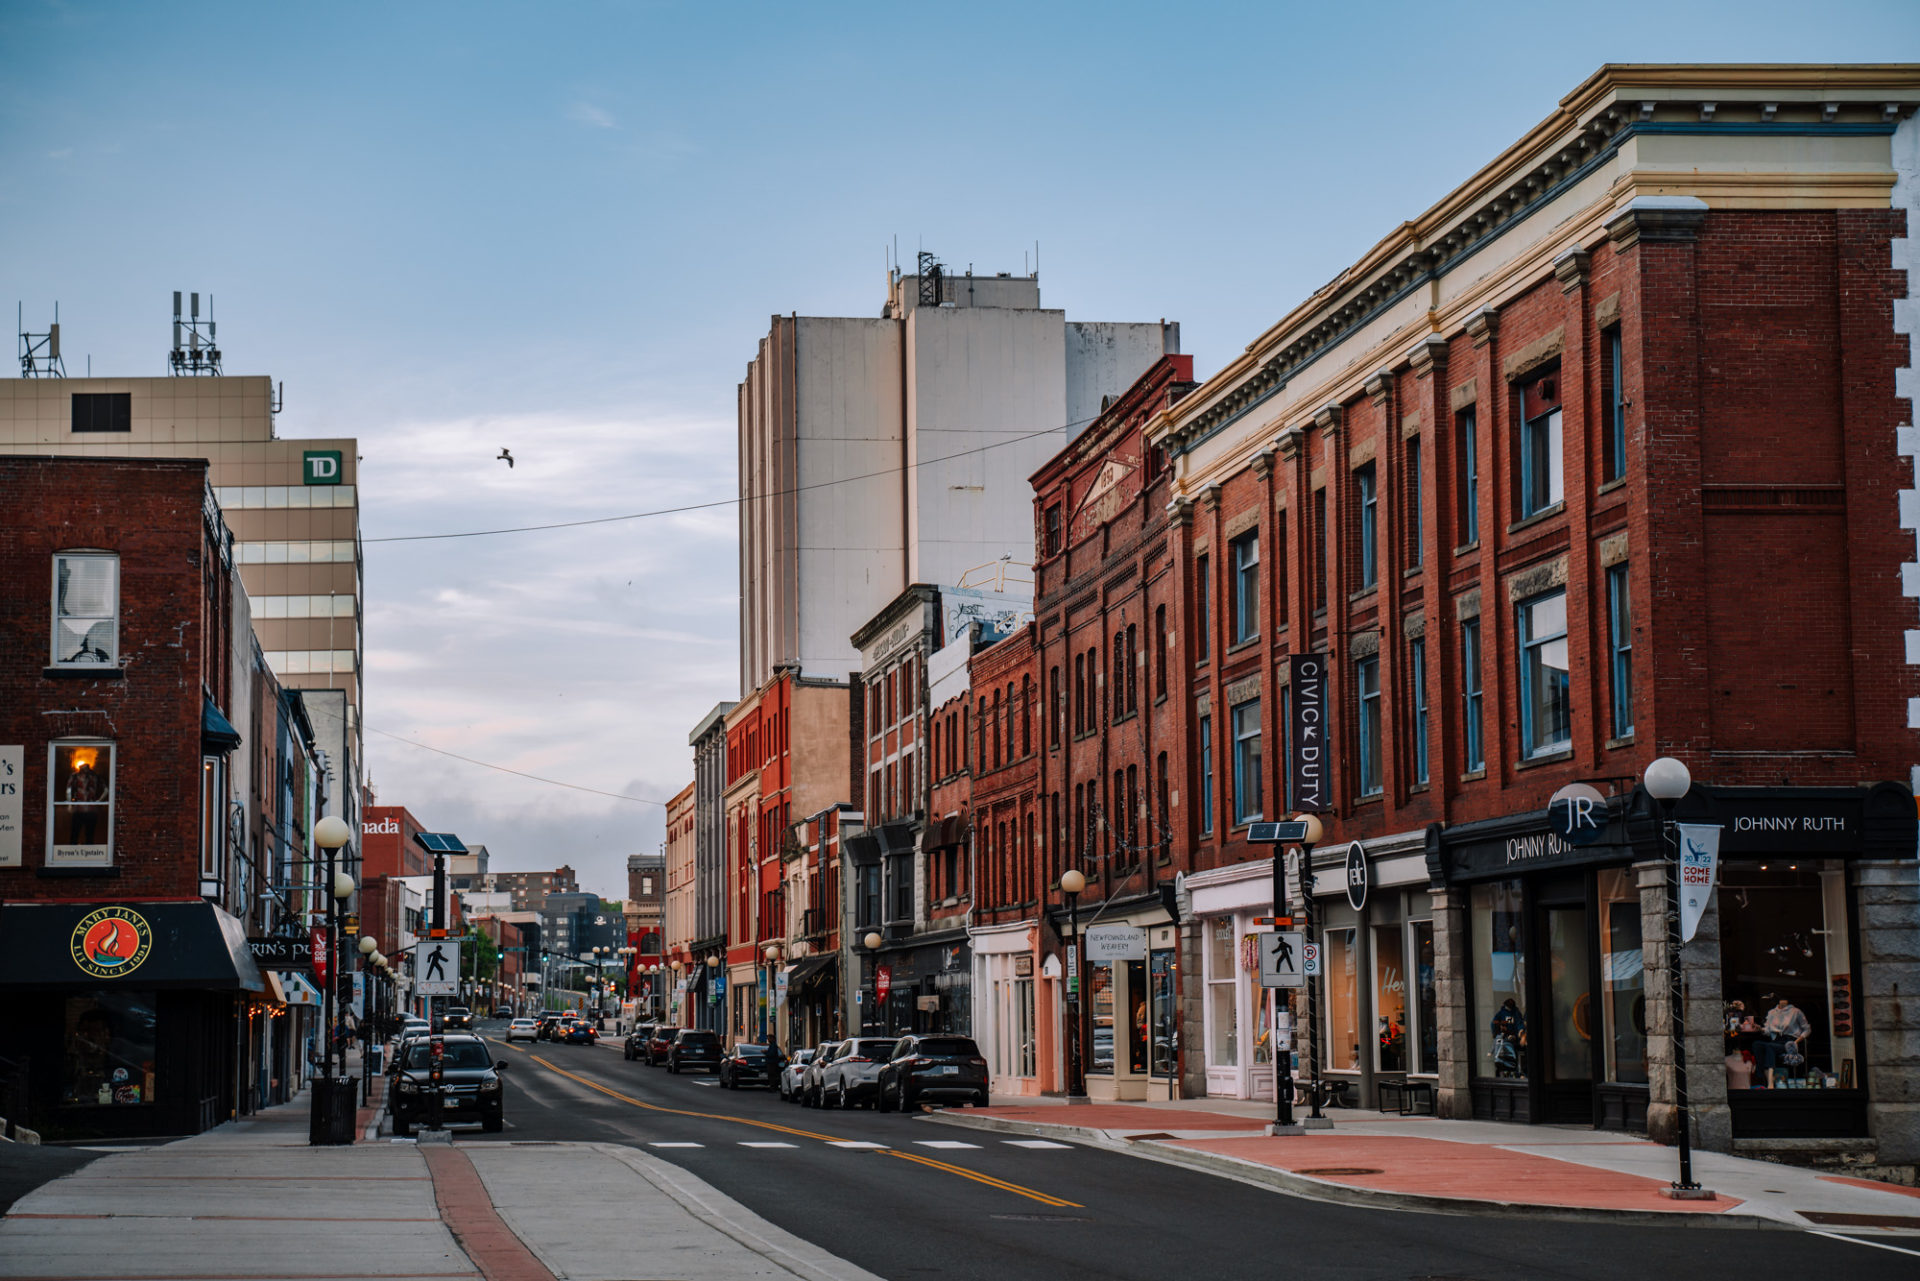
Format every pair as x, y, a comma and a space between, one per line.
562, 227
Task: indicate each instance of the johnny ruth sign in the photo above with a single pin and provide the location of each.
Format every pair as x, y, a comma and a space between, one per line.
1308, 730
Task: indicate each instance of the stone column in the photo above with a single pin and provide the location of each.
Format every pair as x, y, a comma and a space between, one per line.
1452, 963
1706, 1031
1887, 1009
1193, 1018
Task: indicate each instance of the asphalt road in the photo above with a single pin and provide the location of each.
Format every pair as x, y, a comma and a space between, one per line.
991, 1209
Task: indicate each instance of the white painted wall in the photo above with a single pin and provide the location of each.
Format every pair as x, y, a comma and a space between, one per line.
1104, 358
1906, 320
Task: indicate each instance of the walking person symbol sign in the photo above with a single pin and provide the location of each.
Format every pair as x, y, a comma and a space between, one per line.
1281, 955
439, 961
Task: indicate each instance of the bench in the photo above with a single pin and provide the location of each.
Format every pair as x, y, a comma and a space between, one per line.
1406, 1097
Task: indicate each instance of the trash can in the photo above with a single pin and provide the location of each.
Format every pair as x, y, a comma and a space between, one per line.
335, 1108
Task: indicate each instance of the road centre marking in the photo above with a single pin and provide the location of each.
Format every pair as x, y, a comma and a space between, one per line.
950, 1144
989, 1180
857, 1144
676, 1145
1035, 1143
769, 1145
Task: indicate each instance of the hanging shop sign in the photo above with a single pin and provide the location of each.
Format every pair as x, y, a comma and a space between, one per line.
281, 953
1116, 943
1577, 814
1699, 853
1307, 731
1357, 876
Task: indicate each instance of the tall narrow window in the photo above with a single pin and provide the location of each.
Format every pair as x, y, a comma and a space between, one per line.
1053, 530
86, 609
1079, 692
1367, 687
996, 729
1206, 773
80, 794
1203, 609
1279, 575
1541, 480
1117, 664
1026, 716
1417, 674
1319, 549
1132, 827
1133, 667
1546, 721
1468, 478
1246, 762
1160, 651
1367, 498
1245, 553
1620, 647
1055, 713
1162, 827
1415, 507
1613, 452
1473, 741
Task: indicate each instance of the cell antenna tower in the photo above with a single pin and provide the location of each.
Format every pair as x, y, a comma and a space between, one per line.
40, 353
195, 353
930, 273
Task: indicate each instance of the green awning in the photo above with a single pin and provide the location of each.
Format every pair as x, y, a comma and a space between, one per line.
217, 733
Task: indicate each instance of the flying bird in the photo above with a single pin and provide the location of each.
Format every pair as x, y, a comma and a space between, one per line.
506, 458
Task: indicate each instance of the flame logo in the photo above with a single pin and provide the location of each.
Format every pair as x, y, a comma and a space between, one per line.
111, 942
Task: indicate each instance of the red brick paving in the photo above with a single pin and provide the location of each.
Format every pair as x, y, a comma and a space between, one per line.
468, 1212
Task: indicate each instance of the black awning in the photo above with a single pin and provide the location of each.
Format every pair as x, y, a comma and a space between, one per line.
811, 970
150, 945
217, 733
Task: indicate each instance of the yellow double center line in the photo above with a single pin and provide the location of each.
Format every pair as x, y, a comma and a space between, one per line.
928, 1161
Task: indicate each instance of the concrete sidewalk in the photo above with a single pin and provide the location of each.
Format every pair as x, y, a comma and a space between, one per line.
1423, 1163
252, 1200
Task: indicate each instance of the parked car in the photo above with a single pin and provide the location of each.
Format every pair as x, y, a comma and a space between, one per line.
790, 1074
851, 1078
932, 1066
523, 1030
409, 1029
635, 1046
469, 1081
659, 1043
579, 1032
457, 1018
816, 1068
502, 1011
750, 1064
693, 1049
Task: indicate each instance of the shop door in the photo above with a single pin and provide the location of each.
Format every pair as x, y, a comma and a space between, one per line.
1566, 1051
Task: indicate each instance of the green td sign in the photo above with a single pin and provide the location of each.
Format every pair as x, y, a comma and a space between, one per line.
322, 467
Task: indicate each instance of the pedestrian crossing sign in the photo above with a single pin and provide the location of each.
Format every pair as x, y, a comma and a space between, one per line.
1282, 958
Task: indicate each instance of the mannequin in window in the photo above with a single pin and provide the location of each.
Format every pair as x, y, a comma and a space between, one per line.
1509, 1036
1785, 1032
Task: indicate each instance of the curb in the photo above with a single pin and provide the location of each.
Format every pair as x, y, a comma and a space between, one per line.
1312, 1189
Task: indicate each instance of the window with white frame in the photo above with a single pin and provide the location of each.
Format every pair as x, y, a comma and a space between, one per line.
213, 826
1367, 684
1417, 677
1245, 551
80, 786
1367, 496
86, 609
1546, 717
1541, 470
1246, 762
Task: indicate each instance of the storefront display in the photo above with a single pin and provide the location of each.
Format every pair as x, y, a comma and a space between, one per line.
110, 1048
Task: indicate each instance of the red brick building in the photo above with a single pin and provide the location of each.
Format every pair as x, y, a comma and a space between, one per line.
1593, 462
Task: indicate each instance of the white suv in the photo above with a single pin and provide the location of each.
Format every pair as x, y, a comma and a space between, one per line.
522, 1030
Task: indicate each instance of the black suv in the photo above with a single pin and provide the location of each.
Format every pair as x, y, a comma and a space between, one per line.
457, 1016
469, 1081
933, 1065
635, 1046
694, 1049
751, 1064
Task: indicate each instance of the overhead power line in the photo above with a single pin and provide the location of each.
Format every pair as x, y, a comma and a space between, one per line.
729, 502
553, 782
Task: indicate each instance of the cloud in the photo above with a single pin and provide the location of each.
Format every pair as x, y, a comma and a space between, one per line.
62, 153
587, 114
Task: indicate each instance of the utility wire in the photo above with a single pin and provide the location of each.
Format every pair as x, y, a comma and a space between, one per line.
638, 800
730, 502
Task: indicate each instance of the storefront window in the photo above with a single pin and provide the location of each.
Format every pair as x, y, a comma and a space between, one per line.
1623, 978
1499, 979
1164, 1017
1100, 1002
1423, 972
109, 1049
81, 782
1786, 964
1023, 1027
1343, 1000
1223, 1040
1137, 1025
1390, 1031
1570, 1047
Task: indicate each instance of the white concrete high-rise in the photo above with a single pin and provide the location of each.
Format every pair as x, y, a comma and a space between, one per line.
875, 453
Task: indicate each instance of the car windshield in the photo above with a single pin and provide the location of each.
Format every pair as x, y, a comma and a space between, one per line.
749, 1051
701, 1039
461, 1054
949, 1047
802, 1056
873, 1049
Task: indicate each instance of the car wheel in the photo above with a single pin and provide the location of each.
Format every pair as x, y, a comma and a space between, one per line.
980, 1099
886, 1102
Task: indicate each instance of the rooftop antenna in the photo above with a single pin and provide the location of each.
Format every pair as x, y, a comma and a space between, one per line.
930, 272
40, 353
195, 352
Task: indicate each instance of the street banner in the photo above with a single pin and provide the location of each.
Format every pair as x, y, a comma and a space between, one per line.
1307, 731
1699, 858
780, 987
437, 966
882, 981
359, 1005
1282, 958
317, 936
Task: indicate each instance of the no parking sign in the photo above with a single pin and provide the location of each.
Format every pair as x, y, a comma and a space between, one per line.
1310, 959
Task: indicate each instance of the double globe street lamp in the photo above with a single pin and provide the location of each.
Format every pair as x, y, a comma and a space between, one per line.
333, 1110
1073, 882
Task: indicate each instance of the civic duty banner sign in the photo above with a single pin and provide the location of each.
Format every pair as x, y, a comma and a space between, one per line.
1699, 855
317, 941
1307, 731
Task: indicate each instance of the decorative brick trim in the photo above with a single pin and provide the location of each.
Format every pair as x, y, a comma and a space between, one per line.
1263, 464
1613, 549
1547, 347
1210, 498
1361, 452
1413, 624
1240, 524
1202, 704
1288, 443
1317, 478
1410, 426
1570, 269
1380, 386
1657, 218
1607, 314
1467, 605
1427, 355
1482, 325
1541, 578
1363, 644
1327, 419
1282, 674
1242, 690
1180, 511
1465, 394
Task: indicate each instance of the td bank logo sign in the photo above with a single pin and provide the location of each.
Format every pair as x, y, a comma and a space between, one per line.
321, 467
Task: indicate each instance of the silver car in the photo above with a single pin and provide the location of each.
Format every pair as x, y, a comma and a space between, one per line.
810, 1075
851, 1077
791, 1074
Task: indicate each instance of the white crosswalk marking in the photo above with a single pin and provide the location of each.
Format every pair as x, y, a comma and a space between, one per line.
768, 1145
676, 1145
1035, 1143
854, 1143
948, 1144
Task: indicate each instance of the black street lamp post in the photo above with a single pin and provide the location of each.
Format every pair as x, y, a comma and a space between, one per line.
1072, 882
1667, 780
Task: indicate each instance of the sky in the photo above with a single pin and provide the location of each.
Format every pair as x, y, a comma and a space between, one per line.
561, 229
